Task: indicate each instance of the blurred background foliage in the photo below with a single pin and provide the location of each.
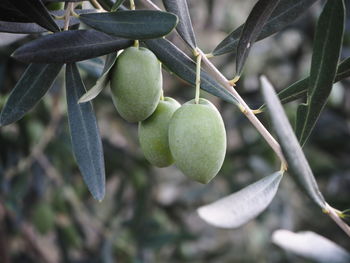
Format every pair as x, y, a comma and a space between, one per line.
149, 214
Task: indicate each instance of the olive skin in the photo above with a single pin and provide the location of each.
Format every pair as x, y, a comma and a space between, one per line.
136, 83
197, 140
55, 6
153, 133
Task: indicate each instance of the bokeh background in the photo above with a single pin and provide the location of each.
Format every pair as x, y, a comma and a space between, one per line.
149, 214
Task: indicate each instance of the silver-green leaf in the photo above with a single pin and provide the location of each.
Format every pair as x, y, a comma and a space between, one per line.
239, 208
297, 163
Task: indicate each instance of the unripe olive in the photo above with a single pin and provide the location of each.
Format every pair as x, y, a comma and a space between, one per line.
55, 6
136, 83
197, 140
43, 218
153, 133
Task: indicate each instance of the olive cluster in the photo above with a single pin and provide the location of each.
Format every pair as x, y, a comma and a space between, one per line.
192, 135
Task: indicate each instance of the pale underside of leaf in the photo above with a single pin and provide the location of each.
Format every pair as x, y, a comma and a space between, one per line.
311, 245
239, 208
101, 82
297, 163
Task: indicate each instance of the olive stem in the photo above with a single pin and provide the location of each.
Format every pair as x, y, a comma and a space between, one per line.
198, 76
67, 14
96, 4
244, 108
132, 4
162, 94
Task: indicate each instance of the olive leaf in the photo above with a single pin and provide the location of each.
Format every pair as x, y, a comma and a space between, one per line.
85, 136
299, 89
325, 57
33, 85
132, 24
30, 28
298, 166
184, 67
70, 46
102, 81
184, 27
252, 28
37, 12
239, 208
10, 13
311, 246
284, 14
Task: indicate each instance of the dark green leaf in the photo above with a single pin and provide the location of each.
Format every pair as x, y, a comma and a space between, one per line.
239, 208
184, 27
132, 24
70, 46
85, 135
325, 57
29, 28
300, 119
32, 86
37, 12
311, 246
252, 28
117, 5
285, 13
102, 81
298, 166
10, 13
298, 89
179, 63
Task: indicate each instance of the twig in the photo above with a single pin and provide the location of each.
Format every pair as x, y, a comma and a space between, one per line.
244, 107
335, 217
67, 14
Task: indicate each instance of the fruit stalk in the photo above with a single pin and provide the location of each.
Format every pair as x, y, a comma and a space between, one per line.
198, 76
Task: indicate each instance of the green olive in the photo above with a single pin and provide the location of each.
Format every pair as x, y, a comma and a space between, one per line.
197, 140
55, 6
136, 83
153, 133
43, 218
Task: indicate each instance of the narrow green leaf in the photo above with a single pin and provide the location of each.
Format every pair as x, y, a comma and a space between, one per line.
70, 46
116, 5
184, 27
36, 11
343, 70
299, 89
85, 135
300, 119
102, 81
132, 24
239, 208
284, 14
29, 28
311, 246
184, 67
252, 28
29, 90
325, 57
297, 163
10, 13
